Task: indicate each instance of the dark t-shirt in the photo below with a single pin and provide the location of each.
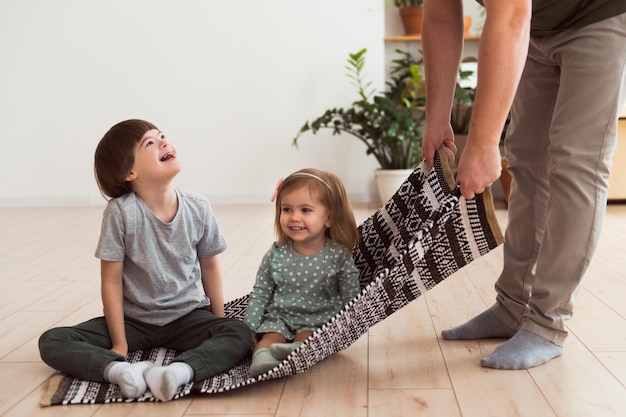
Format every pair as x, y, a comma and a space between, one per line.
552, 16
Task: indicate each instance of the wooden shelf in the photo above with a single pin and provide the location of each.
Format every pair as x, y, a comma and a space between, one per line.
412, 38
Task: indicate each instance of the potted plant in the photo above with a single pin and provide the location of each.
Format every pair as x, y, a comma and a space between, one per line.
388, 123
461, 110
411, 15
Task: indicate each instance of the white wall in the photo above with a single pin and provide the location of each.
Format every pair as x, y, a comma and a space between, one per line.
230, 83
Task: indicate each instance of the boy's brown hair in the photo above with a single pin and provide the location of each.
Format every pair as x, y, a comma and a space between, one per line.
115, 156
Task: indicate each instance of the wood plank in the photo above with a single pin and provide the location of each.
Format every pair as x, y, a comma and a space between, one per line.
577, 384
404, 352
404, 402
337, 386
598, 326
607, 286
257, 399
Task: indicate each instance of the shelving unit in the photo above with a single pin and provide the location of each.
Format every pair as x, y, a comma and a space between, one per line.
418, 38
470, 50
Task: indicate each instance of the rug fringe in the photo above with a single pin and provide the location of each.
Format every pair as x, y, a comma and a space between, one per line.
490, 212
488, 202
53, 385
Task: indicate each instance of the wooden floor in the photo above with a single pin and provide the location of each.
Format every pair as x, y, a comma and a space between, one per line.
49, 277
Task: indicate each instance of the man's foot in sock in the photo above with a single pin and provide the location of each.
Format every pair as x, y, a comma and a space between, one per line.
522, 351
280, 351
262, 361
129, 377
484, 326
164, 381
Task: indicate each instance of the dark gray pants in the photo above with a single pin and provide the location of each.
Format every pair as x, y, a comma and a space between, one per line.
210, 344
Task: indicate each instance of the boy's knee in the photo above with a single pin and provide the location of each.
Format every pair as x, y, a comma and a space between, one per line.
48, 344
243, 330
47, 336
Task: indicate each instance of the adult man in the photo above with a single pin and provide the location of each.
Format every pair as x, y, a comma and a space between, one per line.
558, 66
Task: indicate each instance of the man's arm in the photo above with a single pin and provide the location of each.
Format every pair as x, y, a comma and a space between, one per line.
442, 43
501, 56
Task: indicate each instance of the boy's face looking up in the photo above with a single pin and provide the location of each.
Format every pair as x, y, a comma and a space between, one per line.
155, 159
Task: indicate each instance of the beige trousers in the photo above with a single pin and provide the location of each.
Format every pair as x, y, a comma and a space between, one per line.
559, 146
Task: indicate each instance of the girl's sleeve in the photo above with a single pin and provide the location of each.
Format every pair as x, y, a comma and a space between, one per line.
261, 295
349, 282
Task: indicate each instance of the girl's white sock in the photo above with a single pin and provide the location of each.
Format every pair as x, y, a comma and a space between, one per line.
165, 380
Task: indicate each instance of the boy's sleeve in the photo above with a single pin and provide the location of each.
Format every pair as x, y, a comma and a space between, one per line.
212, 242
111, 246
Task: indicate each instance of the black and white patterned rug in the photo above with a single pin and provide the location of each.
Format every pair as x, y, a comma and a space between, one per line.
422, 235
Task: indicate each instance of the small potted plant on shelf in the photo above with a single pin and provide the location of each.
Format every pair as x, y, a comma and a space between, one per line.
411, 15
388, 123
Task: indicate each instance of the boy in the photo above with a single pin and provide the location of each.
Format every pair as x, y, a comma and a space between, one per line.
161, 281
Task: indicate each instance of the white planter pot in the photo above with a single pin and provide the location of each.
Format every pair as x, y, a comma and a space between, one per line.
389, 180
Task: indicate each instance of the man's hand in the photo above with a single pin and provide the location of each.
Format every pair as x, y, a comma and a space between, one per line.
435, 137
479, 167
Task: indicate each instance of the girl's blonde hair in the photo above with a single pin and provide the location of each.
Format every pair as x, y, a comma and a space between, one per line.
328, 188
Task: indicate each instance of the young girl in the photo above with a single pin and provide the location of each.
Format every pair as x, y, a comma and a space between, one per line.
161, 281
308, 275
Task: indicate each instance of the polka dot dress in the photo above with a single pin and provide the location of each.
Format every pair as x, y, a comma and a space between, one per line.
295, 293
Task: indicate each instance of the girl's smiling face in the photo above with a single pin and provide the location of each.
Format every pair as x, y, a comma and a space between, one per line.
304, 220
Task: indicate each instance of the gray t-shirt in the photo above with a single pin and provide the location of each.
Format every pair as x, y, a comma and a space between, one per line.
161, 274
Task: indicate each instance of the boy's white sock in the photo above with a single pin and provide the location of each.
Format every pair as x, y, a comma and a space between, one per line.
165, 380
129, 377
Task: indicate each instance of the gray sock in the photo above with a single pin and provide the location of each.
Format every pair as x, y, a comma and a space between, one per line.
522, 351
282, 350
484, 326
262, 361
